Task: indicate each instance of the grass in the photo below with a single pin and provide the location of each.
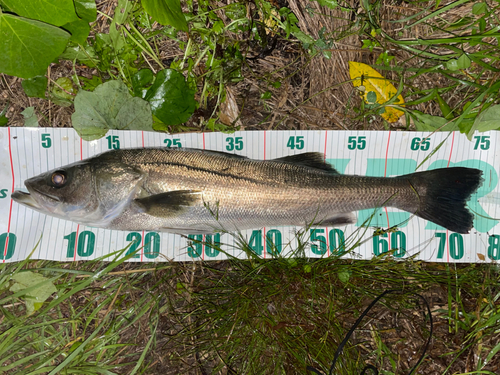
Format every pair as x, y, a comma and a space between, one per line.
253, 317
278, 316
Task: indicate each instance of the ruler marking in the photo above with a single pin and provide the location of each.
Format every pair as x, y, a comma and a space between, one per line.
385, 175
11, 201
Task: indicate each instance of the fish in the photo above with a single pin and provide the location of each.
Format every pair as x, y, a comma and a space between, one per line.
196, 191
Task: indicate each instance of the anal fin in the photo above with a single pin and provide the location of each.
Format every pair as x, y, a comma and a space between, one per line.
339, 220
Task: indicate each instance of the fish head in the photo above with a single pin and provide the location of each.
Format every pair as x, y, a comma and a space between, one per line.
88, 192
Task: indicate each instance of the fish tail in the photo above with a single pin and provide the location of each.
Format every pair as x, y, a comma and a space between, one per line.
443, 195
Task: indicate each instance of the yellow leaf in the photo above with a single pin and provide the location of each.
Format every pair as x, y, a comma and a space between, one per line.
481, 256
375, 89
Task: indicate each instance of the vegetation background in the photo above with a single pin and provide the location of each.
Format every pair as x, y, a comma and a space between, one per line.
253, 65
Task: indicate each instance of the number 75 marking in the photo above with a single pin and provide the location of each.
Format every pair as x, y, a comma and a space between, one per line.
483, 142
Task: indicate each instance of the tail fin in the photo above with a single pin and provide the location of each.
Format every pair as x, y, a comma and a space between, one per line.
443, 194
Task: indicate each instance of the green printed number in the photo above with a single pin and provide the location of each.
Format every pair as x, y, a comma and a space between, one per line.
195, 245
46, 141
493, 247
234, 143
420, 144
316, 236
337, 242
176, 142
296, 142
398, 244
273, 242
255, 242
354, 143
3, 193
9, 240
456, 245
482, 142
151, 245
85, 246
113, 142
151, 241
136, 238
212, 243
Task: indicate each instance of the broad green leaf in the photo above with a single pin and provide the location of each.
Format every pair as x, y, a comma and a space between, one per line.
28, 46
55, 12
171, 98
35, 87
30, 118
479, 8
332, 4
110, 106
463, 62
141, 80
486, 120
122, 11
344, 275
166, 12
92, 83
428, 123
37, 296
84, 54
63, 92
375, 85
79, 30
86, 10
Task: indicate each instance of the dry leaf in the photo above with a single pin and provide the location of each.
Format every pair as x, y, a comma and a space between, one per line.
229, 111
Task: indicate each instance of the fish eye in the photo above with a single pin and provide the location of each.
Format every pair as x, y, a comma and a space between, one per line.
59, 179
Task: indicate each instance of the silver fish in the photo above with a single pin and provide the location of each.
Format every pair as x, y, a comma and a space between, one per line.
198, 191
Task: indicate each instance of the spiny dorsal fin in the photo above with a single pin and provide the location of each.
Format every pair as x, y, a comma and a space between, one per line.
308, 159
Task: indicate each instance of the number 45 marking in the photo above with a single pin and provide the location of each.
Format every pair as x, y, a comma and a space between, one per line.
483, 142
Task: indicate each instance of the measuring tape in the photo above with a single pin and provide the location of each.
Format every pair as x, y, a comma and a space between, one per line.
28, 152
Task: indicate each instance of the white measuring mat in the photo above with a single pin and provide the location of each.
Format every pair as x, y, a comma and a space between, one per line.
27, 152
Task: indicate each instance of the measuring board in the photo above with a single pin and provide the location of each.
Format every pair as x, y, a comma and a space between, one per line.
27, 152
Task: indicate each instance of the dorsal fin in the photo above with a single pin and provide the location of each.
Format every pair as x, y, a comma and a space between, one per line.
308, 159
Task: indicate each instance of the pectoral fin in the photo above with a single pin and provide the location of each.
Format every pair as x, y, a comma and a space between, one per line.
167, 204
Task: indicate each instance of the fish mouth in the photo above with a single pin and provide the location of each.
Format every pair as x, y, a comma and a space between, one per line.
29, 200
25, 199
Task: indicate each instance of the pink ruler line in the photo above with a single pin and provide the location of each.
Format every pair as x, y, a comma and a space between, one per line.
326, 228
203, 239
142, 237
11, 201
264, 229
447, 165
385, 175
142, 245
